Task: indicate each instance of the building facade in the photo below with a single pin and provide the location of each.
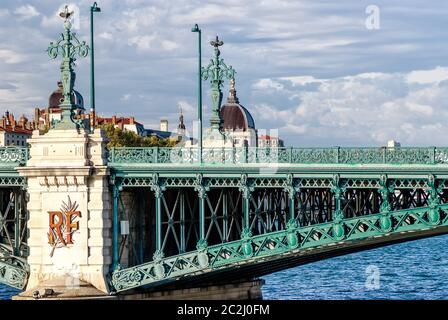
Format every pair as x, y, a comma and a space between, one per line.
14, 133
267, 141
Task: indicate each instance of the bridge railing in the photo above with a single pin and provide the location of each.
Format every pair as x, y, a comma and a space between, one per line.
13, 156
292, 155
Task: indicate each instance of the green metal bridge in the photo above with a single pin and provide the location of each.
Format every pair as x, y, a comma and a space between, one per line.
247, 212
13, 218
244, 212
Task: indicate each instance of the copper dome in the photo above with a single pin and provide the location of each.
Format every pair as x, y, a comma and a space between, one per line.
233, 114
236, 117
56, 98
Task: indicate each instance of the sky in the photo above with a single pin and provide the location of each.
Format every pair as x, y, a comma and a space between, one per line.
323, 73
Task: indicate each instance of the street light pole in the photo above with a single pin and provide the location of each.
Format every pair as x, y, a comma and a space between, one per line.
93, 9
196, 29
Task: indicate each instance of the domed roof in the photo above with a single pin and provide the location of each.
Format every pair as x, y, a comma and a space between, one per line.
56, 98
234, 115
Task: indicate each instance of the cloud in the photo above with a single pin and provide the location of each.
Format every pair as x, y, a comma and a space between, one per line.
362, 109
4, 12
186, 107
106, 35
428, 76
27, 12
263, 84
302, 80
143, 43
10, 57
310, 68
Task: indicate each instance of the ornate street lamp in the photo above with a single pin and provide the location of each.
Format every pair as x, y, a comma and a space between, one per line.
68, 47
217, 70
196, 29
93, 9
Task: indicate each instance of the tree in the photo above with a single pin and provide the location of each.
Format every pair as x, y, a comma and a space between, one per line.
124, 138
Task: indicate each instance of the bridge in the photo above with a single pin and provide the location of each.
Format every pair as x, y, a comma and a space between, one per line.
137, 219
243, 212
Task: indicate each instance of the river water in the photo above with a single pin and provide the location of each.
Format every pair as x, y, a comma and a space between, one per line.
411, 270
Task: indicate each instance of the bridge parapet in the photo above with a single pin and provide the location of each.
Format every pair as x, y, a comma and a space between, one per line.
13, 156
292, 155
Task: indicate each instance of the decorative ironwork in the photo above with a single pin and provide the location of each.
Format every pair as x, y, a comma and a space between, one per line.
272, 245
304, 156
217, 70
68, 47
13, 236
13, 156
13, 275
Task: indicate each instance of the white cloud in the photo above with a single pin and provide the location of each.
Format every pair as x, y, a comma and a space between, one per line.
143, 43
27, 12
186, 107
10, 57
419, 108
105, 35
368, 108
4, 12
263, 84
428, 76
302, 80
125, 97
169, 45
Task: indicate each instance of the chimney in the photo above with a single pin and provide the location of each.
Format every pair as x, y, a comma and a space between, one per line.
131, 120
164, 125
114, 119
36, 114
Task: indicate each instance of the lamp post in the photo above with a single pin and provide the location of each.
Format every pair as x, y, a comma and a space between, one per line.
196, 29
93, 9
68, 47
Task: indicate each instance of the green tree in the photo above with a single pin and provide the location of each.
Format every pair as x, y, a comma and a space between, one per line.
123, 138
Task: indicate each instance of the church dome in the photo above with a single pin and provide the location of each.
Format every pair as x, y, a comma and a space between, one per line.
234, 115
56, 98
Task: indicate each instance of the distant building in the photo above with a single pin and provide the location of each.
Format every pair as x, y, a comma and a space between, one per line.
164, 133
43, 117
123, 123
13, 133
393, 144
266, 141
238, 123
164, 125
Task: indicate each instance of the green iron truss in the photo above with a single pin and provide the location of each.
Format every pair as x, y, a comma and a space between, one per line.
207, 222
14, 269
291, 241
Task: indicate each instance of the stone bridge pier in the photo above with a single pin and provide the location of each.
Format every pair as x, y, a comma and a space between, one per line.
69, 209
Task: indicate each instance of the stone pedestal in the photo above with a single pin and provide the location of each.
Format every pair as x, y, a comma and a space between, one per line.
69, 208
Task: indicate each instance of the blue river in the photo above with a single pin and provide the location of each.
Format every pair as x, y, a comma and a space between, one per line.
409, 271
